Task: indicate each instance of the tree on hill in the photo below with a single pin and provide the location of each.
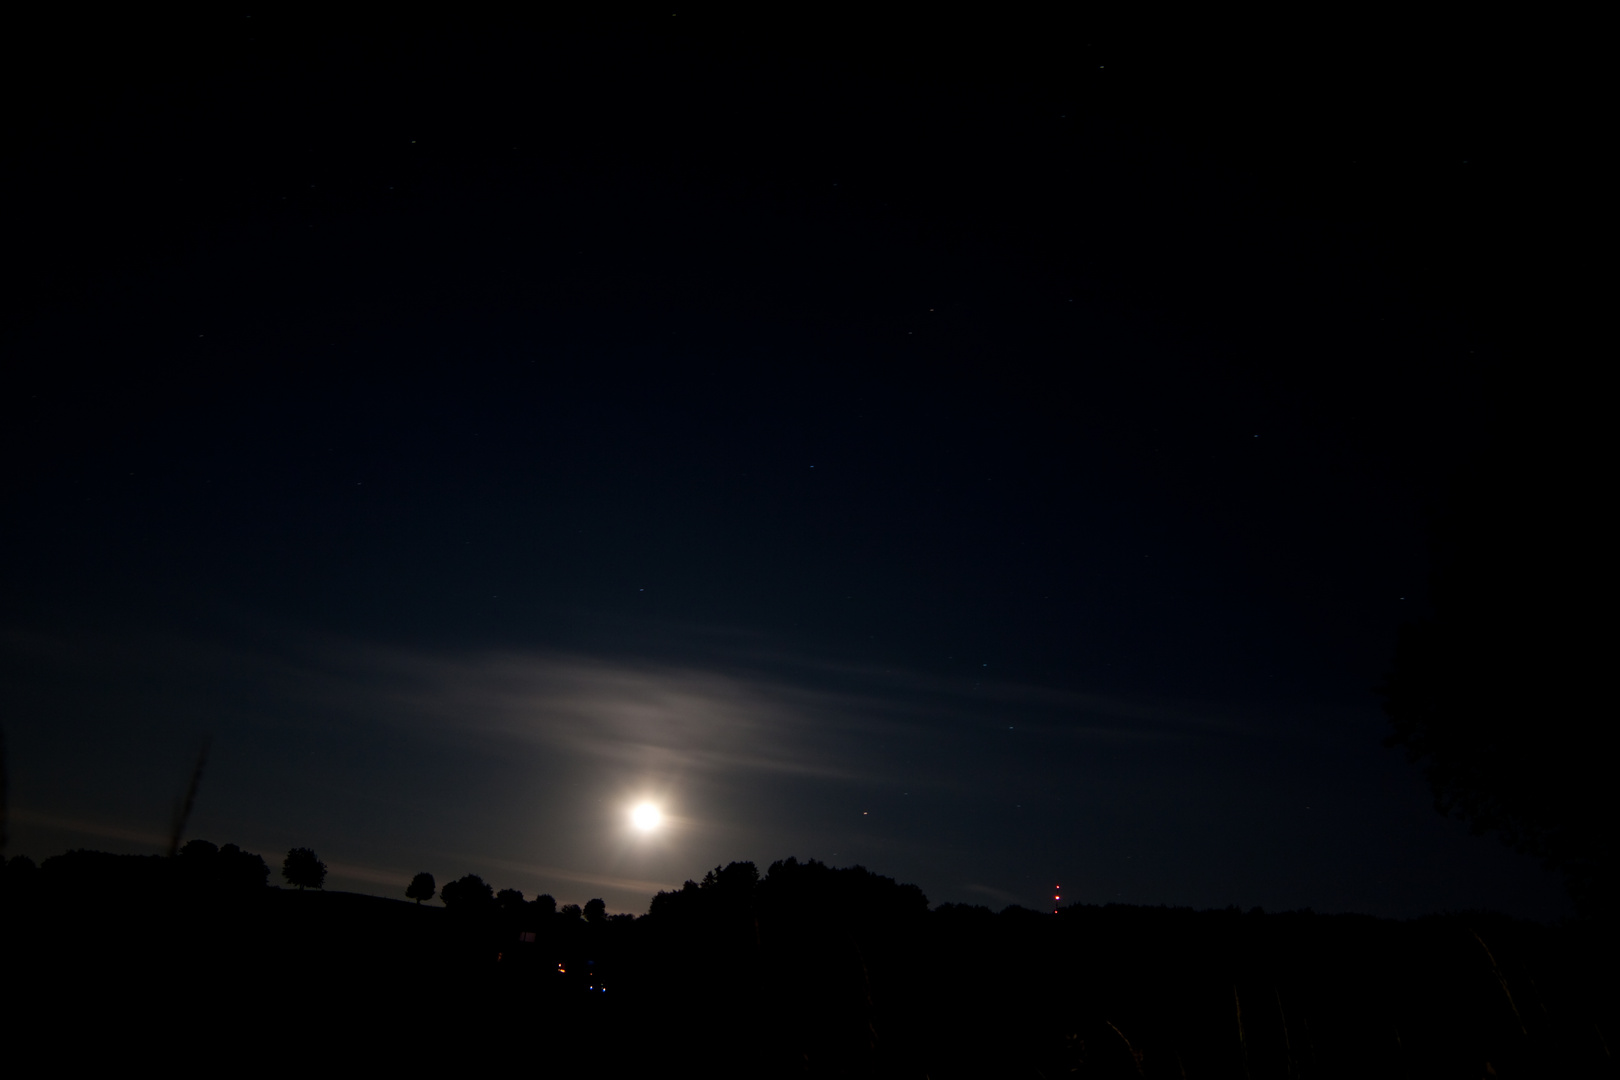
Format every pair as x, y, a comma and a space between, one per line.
726, 891
738, 878
241, 869
545, 905
422, 887
510, 901
595, 911
467, 894
200, 850
674, 903
303, 869
202, 865
851, 895
18, 875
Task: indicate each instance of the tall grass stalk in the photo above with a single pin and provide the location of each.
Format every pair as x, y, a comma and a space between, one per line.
1502, 981
1288, 1044
5, 798
182, 813
1243, 1040
1136, 1059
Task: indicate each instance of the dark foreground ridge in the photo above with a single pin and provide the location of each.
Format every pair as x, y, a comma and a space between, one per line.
809, 970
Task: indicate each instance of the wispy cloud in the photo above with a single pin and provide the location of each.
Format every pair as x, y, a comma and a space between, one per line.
1000, 895
90, 827
371, 875
606, 881
743, 710
805, 719
649, 717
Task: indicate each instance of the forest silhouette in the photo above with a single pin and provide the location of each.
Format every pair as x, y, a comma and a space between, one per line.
806, 969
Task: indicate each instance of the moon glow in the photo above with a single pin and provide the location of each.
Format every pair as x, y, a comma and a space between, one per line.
646, 817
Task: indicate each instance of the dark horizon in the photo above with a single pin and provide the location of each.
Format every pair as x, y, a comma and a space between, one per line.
797, 969
995, 474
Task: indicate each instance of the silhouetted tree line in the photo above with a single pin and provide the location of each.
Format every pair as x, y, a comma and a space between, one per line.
832, 971
200, 869
472, 896
810, 961
806, 969
1501, 695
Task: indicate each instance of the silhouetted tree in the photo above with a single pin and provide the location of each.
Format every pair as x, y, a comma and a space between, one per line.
570, 912
735, 879
1495, 694
303, 869
88, 873
198, 850
725, 893
201, 865
595, 911
852, 895
510, 901
422, 887
240, 869
544, 905
197, 865
674, 904
18, 875
468, 894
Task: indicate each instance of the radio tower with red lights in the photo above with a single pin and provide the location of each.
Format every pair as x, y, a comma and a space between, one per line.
1057, 897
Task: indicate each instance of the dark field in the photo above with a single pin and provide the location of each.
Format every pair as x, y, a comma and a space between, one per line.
804, 971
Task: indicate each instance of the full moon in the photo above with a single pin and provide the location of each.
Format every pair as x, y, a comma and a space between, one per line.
645, 817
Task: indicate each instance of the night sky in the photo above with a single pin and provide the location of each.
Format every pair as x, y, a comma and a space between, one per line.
995, 456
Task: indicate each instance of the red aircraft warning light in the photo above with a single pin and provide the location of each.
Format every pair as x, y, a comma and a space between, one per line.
1057, 897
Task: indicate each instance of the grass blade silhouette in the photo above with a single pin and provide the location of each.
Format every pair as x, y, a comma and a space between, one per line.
183, 812
1288, 1043
5, 798
1243, 1040
1136, 1058
1502, 981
